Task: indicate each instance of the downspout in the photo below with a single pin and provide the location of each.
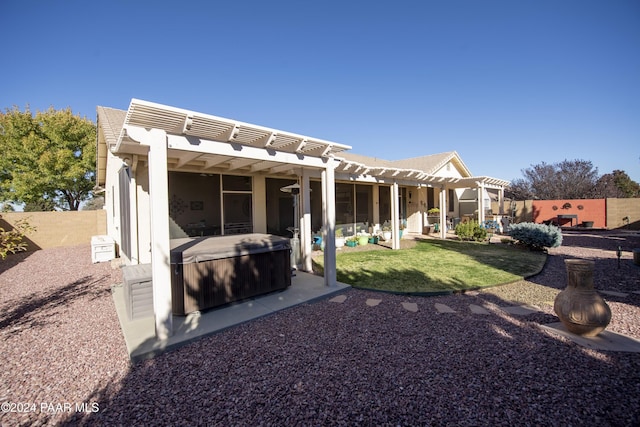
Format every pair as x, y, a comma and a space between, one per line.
133, 194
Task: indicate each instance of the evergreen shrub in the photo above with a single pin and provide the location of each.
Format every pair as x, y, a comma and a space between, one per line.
536, 236
471, 230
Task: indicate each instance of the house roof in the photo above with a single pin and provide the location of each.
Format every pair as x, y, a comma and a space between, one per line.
112, 134
110, 122
431, 164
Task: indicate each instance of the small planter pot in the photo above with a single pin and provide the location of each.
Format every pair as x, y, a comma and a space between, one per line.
351, 243
386, 235
363, 240
373, 240
587, 224
340, 242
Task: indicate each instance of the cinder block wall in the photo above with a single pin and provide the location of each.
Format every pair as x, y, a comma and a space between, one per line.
53, 229
623, 213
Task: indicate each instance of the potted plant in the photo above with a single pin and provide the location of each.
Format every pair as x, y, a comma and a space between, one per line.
402, 227
363, 239
339, 238
386, 232
352, 241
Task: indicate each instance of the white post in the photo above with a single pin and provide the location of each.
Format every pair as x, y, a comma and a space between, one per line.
329, 215
480, 203
443, 212
376, 205
156, 139
305, 221
395, 216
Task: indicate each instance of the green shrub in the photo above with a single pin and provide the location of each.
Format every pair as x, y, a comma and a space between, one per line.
11, 241
471, 230
536, 236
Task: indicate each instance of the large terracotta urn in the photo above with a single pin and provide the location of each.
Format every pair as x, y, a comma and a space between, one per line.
580, 309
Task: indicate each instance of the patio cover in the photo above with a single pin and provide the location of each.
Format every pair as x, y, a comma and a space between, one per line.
192, 141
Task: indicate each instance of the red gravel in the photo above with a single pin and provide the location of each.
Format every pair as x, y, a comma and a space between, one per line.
317, 364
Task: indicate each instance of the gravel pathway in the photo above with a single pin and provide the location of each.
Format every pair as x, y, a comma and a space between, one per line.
365, 361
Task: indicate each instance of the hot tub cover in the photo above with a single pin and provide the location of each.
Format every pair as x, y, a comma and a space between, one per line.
200, 249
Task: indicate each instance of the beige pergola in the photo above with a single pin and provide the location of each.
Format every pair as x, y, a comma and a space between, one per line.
180, 139
361, 172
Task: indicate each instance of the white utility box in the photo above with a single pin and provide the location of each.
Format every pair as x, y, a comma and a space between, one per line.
103, 249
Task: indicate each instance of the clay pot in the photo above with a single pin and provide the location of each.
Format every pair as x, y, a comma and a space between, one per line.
580, 309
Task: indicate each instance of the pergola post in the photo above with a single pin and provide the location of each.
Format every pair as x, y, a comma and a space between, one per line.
376, 204
480, 203
395, 216
305, 220
443, 212
329, 220
156, 140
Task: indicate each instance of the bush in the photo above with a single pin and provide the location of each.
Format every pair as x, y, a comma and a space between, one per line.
471, 230
536, 236
11, 241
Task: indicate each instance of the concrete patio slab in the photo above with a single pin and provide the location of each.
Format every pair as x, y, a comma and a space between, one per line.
605, 340
139, 334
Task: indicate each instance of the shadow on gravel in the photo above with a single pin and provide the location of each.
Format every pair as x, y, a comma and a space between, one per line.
610, 274
604, 240
352, 364
12, 260
36, 310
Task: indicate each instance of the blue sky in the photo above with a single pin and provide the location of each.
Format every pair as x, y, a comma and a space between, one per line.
507, 84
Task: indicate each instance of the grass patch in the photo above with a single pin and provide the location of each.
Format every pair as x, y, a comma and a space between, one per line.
436, 266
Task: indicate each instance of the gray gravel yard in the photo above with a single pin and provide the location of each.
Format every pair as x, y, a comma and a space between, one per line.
64, 359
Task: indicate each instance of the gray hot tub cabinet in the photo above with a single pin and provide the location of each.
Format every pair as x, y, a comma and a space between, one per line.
209, 272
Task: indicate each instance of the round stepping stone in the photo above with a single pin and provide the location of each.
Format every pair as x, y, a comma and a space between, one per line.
441, 308
410, 306
339, 299
373, 302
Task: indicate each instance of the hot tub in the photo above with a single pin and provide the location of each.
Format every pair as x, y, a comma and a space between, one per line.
209, 272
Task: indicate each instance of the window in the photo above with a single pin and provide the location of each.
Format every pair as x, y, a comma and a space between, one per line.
237, 210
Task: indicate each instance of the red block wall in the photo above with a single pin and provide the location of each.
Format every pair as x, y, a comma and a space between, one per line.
587, 210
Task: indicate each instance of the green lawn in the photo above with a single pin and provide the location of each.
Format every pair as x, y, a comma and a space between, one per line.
436, 266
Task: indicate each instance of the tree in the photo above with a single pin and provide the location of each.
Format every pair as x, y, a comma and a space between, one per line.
575, 179
617, 184
48, 160
569, 179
